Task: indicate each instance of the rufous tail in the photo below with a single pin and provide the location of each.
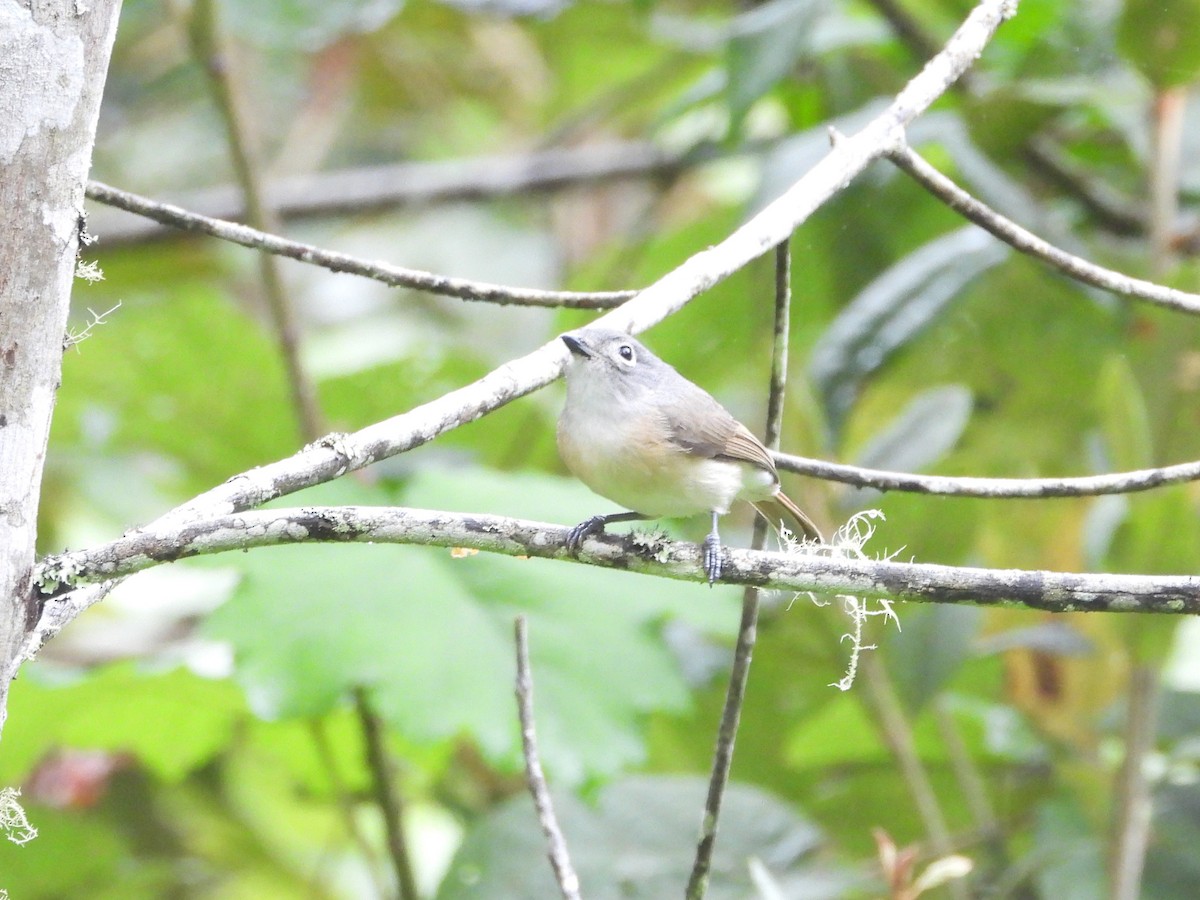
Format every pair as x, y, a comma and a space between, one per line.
781, 507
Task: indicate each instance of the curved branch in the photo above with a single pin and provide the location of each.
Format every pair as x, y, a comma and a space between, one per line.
1032, 245
395, 276
634, 552
991, 488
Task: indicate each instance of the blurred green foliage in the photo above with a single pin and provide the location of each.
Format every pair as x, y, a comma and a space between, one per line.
193, 735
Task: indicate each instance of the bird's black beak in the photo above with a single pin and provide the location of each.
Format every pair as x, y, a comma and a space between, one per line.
577, 347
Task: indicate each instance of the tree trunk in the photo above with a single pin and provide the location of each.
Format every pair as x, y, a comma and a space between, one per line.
53, 59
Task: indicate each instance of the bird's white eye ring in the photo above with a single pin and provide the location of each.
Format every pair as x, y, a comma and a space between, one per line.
626, 352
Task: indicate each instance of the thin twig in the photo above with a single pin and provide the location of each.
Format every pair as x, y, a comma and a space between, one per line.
991, 488
387, 796
1032, 245
556, 845
739, 673
209, 47
345, 801
1133, 807
897, 733
396, 276
56, 576
970, 781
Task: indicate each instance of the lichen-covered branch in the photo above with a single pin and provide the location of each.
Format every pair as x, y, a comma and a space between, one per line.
635, 552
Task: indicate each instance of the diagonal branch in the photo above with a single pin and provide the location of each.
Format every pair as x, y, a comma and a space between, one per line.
743, 651
1032, 245
924, 582
556, 844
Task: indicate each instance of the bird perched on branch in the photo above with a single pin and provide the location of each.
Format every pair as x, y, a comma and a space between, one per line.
637, 432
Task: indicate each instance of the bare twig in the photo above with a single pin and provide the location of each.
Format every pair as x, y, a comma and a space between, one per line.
208, 46
966, 772
344, 799
743, 650
396, 276
991, 488
1049, 591
556, 845
896, 730
386, 796
1133, 808
1030, 244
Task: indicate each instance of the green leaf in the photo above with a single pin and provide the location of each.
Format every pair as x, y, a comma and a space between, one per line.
193, 379
1159, 38
920, 434
638, 841
935, 642
894, 309
173, 721
767, 42
1124, 419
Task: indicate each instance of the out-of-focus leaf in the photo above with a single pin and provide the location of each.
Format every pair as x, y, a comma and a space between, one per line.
1124, 420
72, 856
1161, 533
1171, 864
225, 411
1066, 857
1159, 38
767, 42
1057, 638
638, 841
172, 722
892, 310
934, 644
921, 434
1104, 518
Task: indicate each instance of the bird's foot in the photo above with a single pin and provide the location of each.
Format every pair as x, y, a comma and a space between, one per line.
585, 529
712, 557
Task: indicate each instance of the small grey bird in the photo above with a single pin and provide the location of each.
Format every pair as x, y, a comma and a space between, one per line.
637, 432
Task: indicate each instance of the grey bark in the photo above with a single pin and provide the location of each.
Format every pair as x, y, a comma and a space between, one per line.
53, 60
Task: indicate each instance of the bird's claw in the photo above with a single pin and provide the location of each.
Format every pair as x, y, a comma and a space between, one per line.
712, 558
582, 531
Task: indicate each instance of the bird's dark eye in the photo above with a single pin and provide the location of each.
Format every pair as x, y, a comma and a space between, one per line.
626, 352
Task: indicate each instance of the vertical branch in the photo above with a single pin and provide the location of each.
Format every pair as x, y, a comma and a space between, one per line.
748, 630
54, 64
209, 48
386, 795
556, 845
1131, 821
897, 733
345, 800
